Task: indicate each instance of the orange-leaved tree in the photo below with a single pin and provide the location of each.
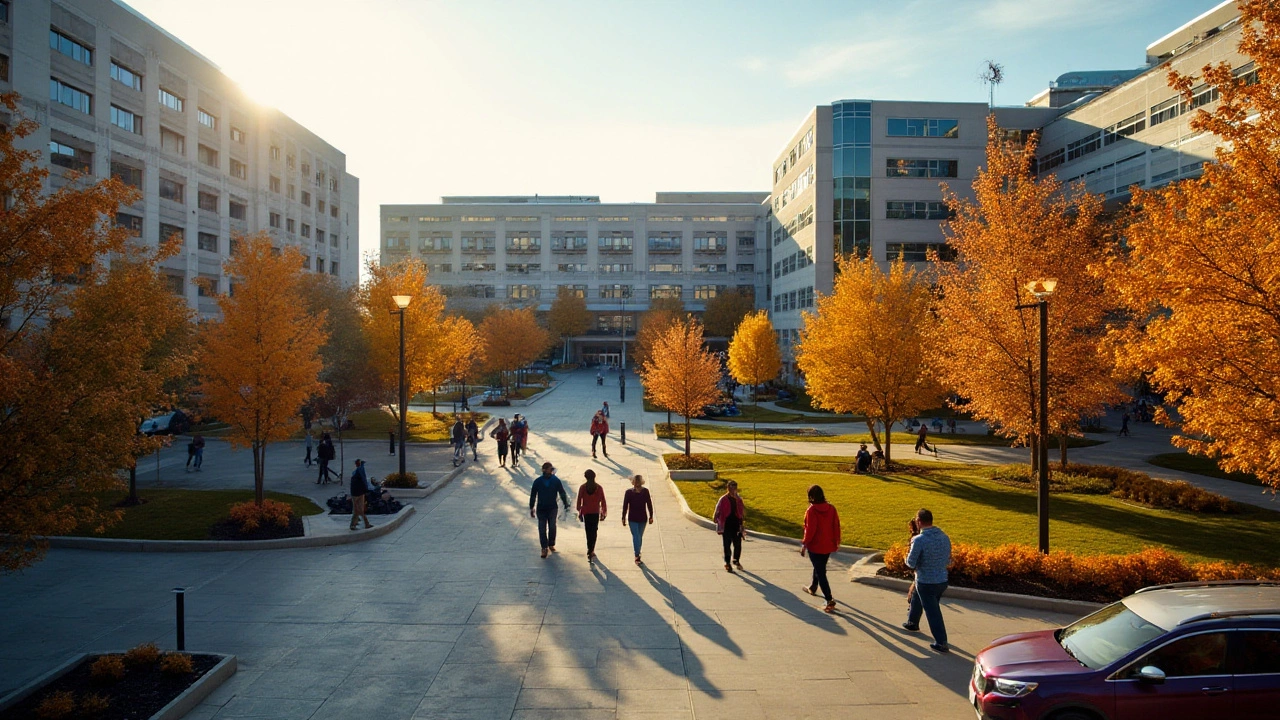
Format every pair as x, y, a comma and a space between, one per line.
85, 351
754, 357
681, 374
1202, 269
463, 350
261, 361
568, 316
726, 310
653, 324
424, 340
512, 339
864, 351
1022, 228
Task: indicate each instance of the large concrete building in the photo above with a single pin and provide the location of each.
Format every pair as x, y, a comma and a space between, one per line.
116, 95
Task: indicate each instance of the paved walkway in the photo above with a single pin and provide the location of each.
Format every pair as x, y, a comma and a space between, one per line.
455, 616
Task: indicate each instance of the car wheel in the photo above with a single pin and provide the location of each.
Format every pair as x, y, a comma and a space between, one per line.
1074, 715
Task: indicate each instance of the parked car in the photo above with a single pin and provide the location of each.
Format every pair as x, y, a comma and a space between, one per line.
539, 366
1186, 651
170, 423
493, 394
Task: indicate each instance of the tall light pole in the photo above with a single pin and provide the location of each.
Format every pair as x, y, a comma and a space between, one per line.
402, 302
1042, 289
622, 361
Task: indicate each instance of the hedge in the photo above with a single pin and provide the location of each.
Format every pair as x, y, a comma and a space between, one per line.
1121, 483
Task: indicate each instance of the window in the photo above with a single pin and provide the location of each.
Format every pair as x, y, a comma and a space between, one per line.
177, 283
273, 219
126, 120
1125, 128
1247, 74
920, 168
918, 252
923, 127
1052, 160
614, 242
523, 242
746, 268
171, 101
207, 201
273, 182
320, 206
127, 174
207, 241
69, 157
237, 135
569, 241
665, 242
616, 267
72, 49
333, 267
167, 231
333, 211
206, 119
171, 141
207, 155
746, 240
523, 292
275, 152
333, 239
710, 268
436, 242
306, 198
479, 267
710, 243
4, 11
615, 292
292, 194
172, 190
290, 225
4, 68
1259, 653
71, 96
239, 169
705, 292
306, 168
478, 241
1191, 656
665, 291
1166, 110
666, 267
524, 268
238, 210
129, 222
1200, 96
797, 186
333, 184
1084, 146
290, 161
574, 290
572, 267
915, 210
125, 76
442, 268
306, 230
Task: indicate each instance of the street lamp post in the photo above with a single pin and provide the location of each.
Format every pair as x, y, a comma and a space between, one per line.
622, 361
402, 302
1042, 289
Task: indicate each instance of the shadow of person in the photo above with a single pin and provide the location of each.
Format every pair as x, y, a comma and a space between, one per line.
952, 670
791, 604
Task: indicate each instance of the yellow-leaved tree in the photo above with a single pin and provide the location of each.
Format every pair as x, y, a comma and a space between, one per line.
568, 316
463, 350
261, 362
864, 351
754, 357
512, 339
1022, 228
425, 344
1201, 271
653, 324
681, 374
726, 310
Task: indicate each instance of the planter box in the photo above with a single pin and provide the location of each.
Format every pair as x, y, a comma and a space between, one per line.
692, 474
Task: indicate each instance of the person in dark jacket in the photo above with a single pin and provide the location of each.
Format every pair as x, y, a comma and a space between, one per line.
473, 436
502, 434
519, 438
599, 431
542, 505
359, 491
821, 539
458, 438
863, 459
325, 453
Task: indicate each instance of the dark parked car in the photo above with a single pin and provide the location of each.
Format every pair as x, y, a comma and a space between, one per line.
170, 423
1188, 651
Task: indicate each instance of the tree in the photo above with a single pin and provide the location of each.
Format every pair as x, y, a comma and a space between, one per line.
1023, 228
463, 350
754, 357
85, 350
864, 351
424, 344
351, 383
681, 375
726, 310
653, 325
261, 362
568, 317
1203, 265
512, 339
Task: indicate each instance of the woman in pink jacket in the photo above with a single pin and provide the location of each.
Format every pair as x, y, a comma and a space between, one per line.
731, 523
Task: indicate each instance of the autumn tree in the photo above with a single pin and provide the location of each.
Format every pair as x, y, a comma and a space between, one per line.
463, 350
512, 339
351, 382
653, 324
261, 362
754, 357
864, 351
1022, 228
568, 317
86, 347
425, 345
726, 310
1202, 269
681, 375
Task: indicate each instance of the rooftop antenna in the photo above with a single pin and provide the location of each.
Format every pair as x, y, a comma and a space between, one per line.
992, 75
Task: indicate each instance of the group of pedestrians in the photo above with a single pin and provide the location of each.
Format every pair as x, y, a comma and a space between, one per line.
592, 507
463, 435
513, 437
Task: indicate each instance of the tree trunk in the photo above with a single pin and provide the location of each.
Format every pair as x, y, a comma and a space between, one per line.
259, 455
1035, 456
686, 436
888, 445
133, 483
1062, 448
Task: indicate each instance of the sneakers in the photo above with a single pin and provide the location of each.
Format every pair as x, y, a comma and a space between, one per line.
367, 526
940, 648
638, 560
910, 628
591, 558
544, 551
353, 527
830, 608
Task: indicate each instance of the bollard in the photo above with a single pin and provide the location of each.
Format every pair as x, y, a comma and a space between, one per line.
623, 432
181, 594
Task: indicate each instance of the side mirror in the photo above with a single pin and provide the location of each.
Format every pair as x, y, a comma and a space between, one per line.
1151, 674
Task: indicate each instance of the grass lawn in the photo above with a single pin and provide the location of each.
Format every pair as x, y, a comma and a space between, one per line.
172, 514
422, 427
704, 431
875, 509
1200, 465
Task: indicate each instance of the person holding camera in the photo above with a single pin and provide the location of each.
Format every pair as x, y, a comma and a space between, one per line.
929, 556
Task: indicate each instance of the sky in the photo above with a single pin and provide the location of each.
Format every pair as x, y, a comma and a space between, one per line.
625, 99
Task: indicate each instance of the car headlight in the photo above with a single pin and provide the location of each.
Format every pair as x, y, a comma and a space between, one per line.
1013, 688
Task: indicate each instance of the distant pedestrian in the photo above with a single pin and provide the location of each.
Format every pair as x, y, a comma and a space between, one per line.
195, 448
542, 505
519, 438
929, 556
922, 440
310, 442
473, 436
458, 439
359, 489
605, 409
1124, 425
863, 459
391, 435
599, 431
731, 522
592, 508
599, 378
191, 453
821, 539
637, 511
951, 425
502, 434
325, 453
198, 443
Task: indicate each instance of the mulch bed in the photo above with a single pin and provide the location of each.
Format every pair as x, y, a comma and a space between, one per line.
228, 530
1021, 586
141, 693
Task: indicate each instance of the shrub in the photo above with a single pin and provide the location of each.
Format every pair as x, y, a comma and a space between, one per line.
144, 654
107, 667
250, 516
176, 664
395, 480
1122, 483
94, 704
696, 461
56, 705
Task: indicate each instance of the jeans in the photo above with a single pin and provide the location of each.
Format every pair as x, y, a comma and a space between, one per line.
502, 451
604, 447
199, 457
308, 458
637, 535
592, 522
324, 470
925, 599
547, 526
732, 539
819, 561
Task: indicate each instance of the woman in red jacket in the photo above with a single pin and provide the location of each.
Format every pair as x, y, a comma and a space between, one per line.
592, 508
821, 538
731, 520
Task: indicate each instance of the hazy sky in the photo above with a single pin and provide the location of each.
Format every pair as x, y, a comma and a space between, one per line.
622, 99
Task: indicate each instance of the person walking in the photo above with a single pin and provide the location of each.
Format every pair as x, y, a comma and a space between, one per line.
542, 505
502, 434
821, 539
191, 453
731, 522
458, 439
637, 511
325, 454
599, 431
605, 409
1124, 425
310, 444
922, 440
473, 437
929, 556
592, 508
519, 436
359, 490
197, 442
391, 437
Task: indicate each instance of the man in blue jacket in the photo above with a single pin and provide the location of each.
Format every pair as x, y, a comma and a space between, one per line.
542, 505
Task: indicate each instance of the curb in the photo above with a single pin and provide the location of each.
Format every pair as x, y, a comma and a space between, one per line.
864, 571
529, 401
128, 545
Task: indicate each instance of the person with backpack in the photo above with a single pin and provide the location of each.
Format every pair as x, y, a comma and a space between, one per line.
542, 505
637, 511
502, 434
473, 437
731, 522
599, 431
592, 508
325, 453
821, 539
458, 438
519, 438
359, 490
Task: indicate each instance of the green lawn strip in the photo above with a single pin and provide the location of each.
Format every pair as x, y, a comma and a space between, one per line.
874, 510
174, 514
705, 431
1200, 465
422, 426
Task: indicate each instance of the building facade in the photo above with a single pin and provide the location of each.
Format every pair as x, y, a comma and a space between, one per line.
521, 250
117, 96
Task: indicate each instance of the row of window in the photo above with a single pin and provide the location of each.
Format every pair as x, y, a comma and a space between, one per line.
916, 210
667, 268
923, 127
797, 186
531, 242
801, 148
802, 220
918, 252
206, 241
921, 168
793, 300
798, 260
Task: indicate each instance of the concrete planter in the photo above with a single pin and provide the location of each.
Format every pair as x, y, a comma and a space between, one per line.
688, 474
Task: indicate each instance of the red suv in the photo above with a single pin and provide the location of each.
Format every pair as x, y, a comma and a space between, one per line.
1188, 651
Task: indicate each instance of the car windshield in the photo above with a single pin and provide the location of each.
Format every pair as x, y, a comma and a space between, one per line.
1107, 635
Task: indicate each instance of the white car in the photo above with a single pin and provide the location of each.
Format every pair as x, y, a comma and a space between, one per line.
168, 423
